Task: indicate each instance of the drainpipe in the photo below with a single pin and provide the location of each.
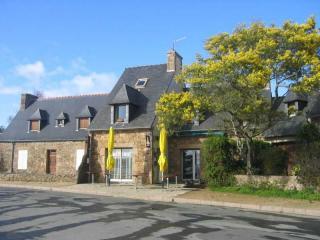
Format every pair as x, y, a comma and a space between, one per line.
12, 155
89, 156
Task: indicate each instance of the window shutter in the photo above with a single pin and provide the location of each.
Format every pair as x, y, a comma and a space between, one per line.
112, 115
127, 114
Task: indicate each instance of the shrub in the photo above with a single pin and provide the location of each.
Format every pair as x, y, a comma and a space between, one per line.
218, 158
309, 156
269, 159
309, 162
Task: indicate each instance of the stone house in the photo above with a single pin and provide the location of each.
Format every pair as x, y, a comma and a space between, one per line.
131, 112
48, 138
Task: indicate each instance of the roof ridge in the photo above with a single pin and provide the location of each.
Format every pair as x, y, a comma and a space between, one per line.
74, 96
149, 65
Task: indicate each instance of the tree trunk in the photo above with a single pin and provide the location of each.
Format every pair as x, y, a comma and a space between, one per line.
249, 155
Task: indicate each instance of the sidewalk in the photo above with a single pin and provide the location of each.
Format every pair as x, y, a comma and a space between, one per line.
178, 194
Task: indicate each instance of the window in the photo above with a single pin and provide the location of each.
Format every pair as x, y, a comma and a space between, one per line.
141, 83
79, 157
120, 113
22, 159
84, 123
60, 123
123, 165
35, 125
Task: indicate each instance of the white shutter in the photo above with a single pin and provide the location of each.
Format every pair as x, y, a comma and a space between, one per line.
79, 156
22, 159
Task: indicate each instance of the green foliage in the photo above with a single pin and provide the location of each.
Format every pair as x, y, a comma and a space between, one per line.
309, 156
309, 162
216, 152
268, 190
269, 159
309, 133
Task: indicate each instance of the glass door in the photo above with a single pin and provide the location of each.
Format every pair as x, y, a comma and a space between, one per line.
122, 171
191, 164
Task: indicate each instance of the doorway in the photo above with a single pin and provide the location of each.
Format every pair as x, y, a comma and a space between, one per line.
51, 161
191, 164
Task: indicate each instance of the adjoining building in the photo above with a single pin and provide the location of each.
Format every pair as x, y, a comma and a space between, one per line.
48, 138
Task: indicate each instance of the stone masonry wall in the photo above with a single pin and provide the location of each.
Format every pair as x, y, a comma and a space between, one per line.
5, 157
135, 139
175, 147
37, 158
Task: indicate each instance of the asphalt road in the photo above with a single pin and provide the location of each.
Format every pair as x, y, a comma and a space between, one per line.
27, 214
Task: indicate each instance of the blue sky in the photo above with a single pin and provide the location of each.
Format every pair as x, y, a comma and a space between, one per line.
77, 47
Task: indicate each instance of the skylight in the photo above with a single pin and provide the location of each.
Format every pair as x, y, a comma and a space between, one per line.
141, 83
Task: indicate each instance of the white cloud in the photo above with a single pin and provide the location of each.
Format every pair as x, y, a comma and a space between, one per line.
33, 71
9, 90
84, 84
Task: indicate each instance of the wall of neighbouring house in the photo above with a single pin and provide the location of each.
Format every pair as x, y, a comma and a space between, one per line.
5, 157
37, 160
134, 139
175, 147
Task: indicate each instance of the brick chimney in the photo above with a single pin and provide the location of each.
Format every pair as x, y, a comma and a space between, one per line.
174, 63
26, 100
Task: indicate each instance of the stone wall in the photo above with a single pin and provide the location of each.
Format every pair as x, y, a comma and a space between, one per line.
37, 159
5, 157
286, 182
175, 147
134, 139
29, 177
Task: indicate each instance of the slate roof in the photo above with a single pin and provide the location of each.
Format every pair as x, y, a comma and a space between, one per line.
73, 106
159, 82
126, 94
290, 126
39, 114
62, 116
87, 112
292, 96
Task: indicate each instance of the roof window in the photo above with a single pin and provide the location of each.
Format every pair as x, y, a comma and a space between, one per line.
141, 83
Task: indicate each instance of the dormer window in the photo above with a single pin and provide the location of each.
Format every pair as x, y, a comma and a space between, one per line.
141, 83
120, 113
61, 119
35, 125
85, 117
36, 121
60, 123
84, 123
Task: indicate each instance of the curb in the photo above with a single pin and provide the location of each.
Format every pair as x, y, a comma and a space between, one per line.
250, 207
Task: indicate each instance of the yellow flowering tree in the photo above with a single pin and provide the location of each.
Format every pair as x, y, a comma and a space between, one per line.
235, 76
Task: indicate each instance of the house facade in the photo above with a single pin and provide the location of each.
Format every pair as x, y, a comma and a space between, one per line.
65, 138
48, 138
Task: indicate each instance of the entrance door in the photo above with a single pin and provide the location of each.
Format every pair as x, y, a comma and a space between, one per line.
191, 164
122, 171
51, 162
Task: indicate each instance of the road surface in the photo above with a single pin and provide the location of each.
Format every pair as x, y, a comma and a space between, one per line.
29, 214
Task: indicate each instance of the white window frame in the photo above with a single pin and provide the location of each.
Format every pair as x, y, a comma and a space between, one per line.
79, 157
120, 162
22, 160
141, 86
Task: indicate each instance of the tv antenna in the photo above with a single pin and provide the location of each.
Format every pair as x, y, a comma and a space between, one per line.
177, 40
